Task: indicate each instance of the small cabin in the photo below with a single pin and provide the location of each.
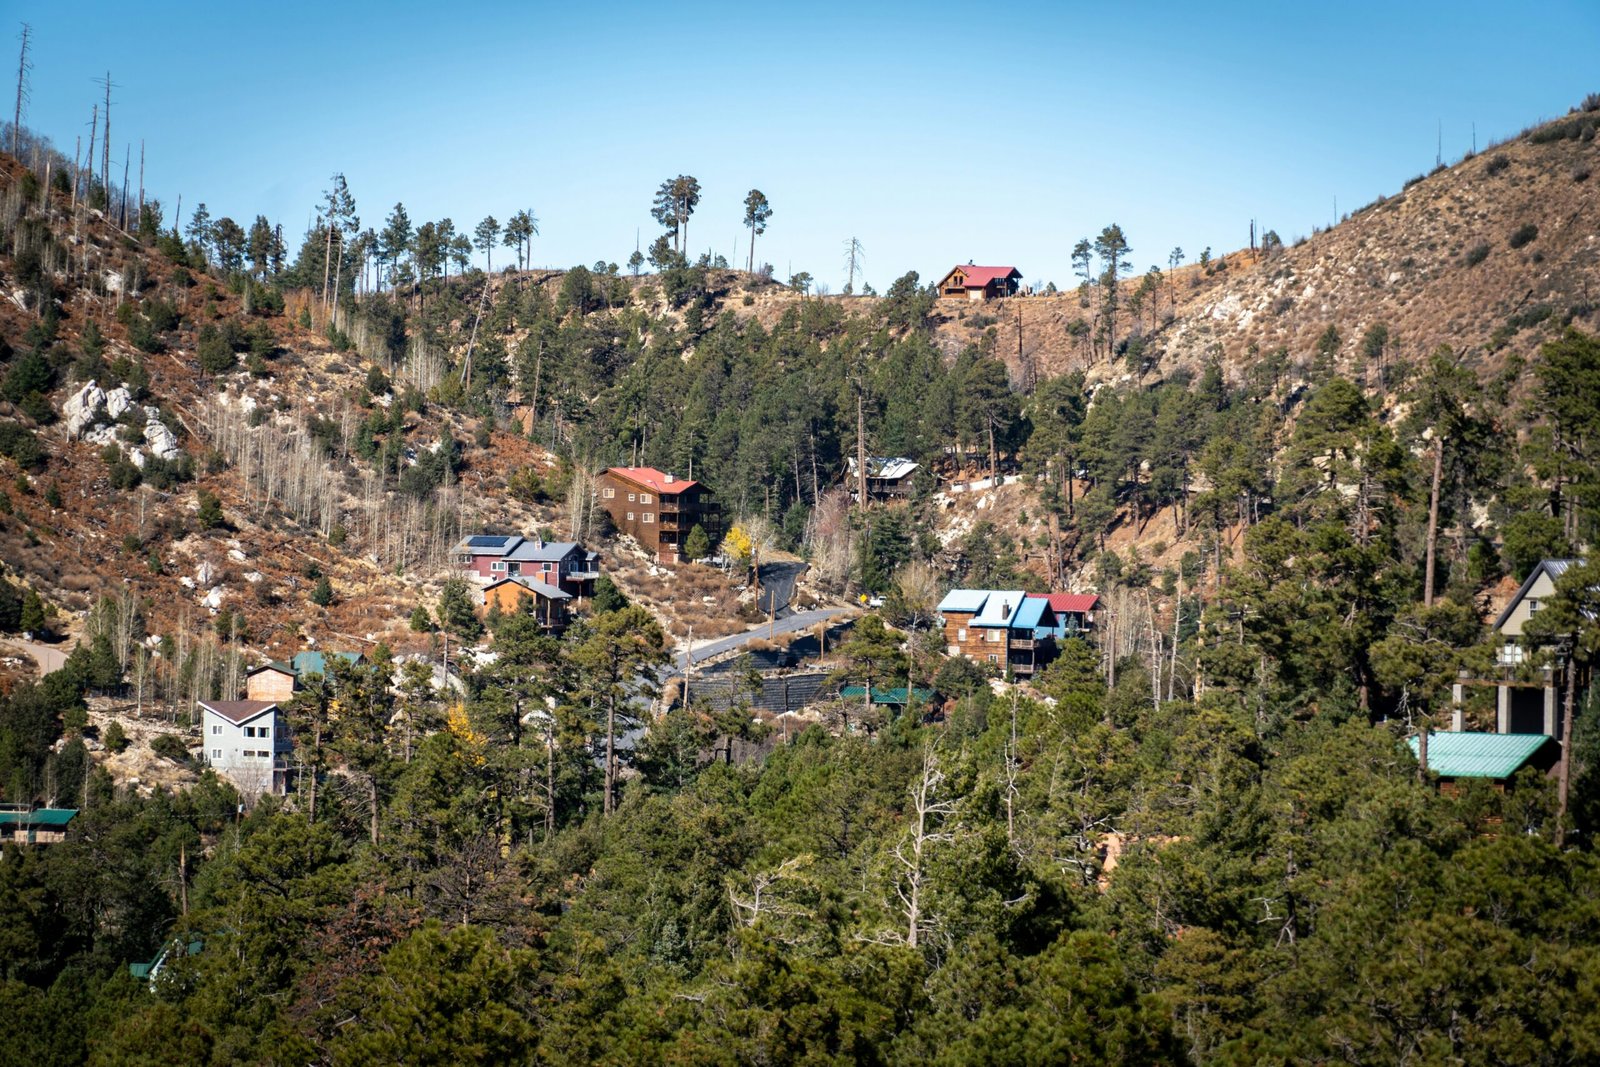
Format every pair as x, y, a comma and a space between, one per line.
545, 602
1495, 757
972, 282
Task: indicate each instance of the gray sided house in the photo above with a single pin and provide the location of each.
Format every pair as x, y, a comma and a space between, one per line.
1530, 699
248, 743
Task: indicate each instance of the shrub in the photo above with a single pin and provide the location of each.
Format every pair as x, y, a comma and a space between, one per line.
210, 514
1495, 165
322, 592
170, 746
21, 446
1523, 235
115, 739
1477, 254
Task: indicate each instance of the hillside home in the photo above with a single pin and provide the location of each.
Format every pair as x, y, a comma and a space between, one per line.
1005, 628
971, 282
1529, 701
657, 509
567, 565
34, 826
248, 743
888, 478
1495, 757
279, 681
545, 602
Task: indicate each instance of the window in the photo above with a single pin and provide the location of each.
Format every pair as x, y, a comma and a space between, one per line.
216, 753
630, 498
994, 659
961, 635
644, 498
265, 731
498, 565
630, 516
1533, 606
649, 516
216, 729
249, 731
610, 493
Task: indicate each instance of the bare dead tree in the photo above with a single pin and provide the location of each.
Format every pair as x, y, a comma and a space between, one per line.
23, 66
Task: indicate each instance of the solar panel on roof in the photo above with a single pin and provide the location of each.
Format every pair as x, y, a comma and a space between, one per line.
483, 541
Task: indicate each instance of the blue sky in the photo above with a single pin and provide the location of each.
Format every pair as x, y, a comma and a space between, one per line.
935, 134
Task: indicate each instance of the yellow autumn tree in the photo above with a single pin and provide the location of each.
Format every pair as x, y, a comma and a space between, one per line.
737, 547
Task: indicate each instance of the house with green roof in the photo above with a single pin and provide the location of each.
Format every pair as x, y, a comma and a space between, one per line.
1496, 757
35, 826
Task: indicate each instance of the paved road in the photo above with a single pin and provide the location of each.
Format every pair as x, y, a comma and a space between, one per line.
799, 620
48, 658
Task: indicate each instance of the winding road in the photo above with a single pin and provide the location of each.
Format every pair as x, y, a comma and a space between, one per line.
793, 621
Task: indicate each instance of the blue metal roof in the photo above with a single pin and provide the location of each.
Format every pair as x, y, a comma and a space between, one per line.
1473, 755
1000, 607
964, 600
1029, 613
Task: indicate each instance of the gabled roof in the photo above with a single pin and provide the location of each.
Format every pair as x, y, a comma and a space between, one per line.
1555, 568
239, 712
1000, 607
890, 468
963, 600
275, 665
542, 551
1471, 755
652, 479
1029, 614
488, 544
977, 277
307, 663
1068, 602
549, 592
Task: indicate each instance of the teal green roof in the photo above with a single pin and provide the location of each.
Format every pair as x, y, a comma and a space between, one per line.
887, 696
308, 663
42, 817
1467, 755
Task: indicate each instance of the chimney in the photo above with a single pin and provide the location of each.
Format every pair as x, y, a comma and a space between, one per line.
671, 477
1005, 609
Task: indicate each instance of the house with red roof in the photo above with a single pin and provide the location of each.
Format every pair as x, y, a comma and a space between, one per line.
972, 282
658, 509
1073, 612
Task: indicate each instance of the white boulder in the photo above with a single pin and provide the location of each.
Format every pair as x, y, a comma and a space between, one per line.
161, 440
82, 409
118, 401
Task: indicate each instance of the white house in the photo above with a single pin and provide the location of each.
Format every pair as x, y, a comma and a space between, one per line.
248, 743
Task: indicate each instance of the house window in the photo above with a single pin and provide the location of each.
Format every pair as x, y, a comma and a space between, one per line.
630, 498
994, 659
216, 753
610, 493
630, 516
961, 635
498, 565
644, 498
1533, 606
216, 729
249, 731
649, 516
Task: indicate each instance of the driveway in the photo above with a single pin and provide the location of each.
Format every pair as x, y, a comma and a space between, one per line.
48, 658
790, 623
777, 586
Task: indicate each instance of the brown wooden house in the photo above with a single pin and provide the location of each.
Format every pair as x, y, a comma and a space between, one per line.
547, 603
972, 282
657, 509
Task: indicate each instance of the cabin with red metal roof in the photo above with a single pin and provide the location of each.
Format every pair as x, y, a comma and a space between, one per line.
658, 509
1074, 612
972, 282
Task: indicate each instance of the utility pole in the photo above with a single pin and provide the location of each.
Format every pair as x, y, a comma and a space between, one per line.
140, 219
861, 449
23, 66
